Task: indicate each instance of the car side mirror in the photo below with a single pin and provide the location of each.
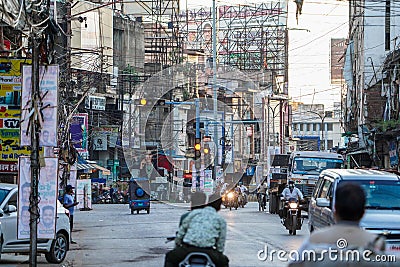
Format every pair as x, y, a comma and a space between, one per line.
11, 208
323, 202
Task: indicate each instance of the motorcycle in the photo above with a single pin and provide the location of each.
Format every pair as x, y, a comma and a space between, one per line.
230, 199
194, 259
293, 220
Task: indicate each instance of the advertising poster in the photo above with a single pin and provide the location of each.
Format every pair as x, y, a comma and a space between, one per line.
10, 113
99, 141
24, 191
78, 130
48, 198
49, 93
84, 193
208, 182
111, 133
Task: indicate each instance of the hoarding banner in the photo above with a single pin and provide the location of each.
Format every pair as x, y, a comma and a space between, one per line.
49, 93
79, 131
84, 193
48, 198
10, 112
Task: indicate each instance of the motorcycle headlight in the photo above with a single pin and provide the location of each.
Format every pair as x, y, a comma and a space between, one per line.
230, 195
293, 205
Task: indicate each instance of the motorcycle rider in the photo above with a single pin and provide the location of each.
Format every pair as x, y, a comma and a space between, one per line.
291, 192
203, 230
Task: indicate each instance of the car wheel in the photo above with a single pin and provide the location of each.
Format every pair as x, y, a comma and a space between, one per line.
148, 211
58, 249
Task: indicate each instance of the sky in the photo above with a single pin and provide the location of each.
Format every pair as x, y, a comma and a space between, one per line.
309, 46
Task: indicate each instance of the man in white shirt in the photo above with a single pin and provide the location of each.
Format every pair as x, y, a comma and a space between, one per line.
292, 192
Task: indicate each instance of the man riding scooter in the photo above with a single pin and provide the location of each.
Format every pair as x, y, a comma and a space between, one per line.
203, 230
291, 192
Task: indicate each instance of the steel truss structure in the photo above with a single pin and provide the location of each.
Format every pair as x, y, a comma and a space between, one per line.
163, 45
250, 37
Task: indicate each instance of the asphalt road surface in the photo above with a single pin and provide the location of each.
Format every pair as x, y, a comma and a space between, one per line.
109, 235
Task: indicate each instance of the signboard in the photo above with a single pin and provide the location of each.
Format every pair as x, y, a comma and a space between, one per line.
49, 94
95, 102
110, 132
208, 182
78, 130
394, 159
99, 141
84, 193
48, 198
10, 112
338, 50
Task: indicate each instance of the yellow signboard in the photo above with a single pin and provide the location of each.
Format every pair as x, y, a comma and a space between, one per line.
10, 110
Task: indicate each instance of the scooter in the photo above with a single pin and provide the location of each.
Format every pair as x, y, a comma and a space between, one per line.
293, 219
194, 259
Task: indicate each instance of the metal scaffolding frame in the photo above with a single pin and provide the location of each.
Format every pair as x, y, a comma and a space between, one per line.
250, 37
163, 44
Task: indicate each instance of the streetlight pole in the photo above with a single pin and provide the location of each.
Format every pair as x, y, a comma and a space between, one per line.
215, 93
322, 128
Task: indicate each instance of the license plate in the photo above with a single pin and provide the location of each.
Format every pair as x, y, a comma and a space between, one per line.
393, 247
140, 204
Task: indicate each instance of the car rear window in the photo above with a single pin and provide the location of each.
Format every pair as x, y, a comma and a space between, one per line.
381, 194
3, 194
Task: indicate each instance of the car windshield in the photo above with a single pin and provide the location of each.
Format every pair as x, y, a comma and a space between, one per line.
3, 194
309, 165
381, 194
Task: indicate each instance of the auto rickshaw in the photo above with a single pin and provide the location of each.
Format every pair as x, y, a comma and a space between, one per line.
139, 197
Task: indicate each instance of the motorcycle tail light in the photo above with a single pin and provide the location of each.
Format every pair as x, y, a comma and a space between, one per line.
293, 205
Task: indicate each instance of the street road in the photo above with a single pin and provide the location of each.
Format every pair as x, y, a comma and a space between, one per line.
109, 235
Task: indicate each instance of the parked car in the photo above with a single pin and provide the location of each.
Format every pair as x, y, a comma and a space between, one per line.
382, 214
55, 250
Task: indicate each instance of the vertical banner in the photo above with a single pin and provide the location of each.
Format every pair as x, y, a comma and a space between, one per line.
208, 182
48, 198
48, 111
24, 191
84, 193
78, 129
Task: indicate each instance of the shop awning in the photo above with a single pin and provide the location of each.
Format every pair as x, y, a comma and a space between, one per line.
104, 170
84, 166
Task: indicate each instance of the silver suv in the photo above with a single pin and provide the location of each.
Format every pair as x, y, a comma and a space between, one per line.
55, 250
382, 214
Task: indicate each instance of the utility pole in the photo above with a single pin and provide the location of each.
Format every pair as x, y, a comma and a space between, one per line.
215, 93
35, 164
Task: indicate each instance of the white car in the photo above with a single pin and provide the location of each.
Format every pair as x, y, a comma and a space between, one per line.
55, 250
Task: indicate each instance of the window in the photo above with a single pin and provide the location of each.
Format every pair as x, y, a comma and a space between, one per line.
329, 126
330, 144
317, 186
309, 126
325, 189
13, 200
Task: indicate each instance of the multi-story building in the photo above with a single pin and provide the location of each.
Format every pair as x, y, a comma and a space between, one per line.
313, 128
371, 105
